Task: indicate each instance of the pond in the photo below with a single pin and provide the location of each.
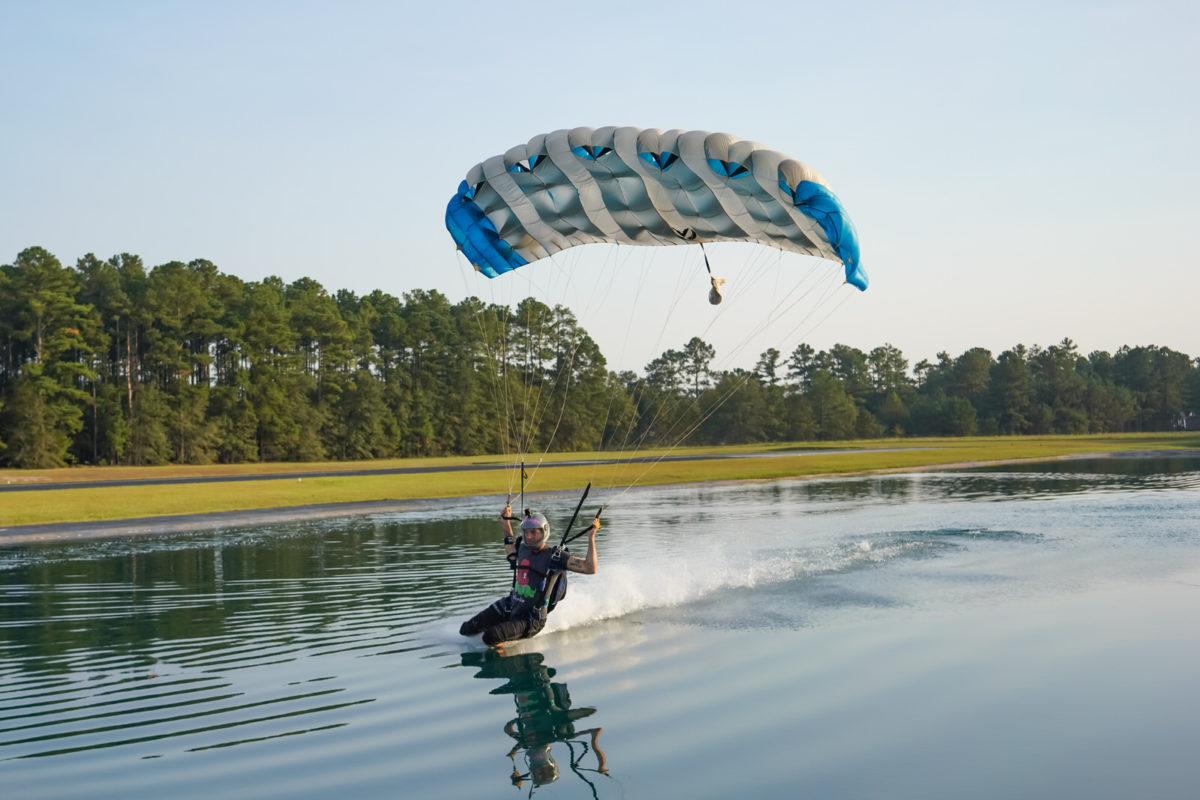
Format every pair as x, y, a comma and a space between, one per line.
1028, 630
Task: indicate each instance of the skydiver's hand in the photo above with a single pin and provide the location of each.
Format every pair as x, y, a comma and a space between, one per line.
506, 525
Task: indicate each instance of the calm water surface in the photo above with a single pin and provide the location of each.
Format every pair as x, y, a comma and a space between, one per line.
993, 633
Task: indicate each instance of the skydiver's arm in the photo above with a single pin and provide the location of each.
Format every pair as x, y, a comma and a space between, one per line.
586, 566
601, 761
510, 547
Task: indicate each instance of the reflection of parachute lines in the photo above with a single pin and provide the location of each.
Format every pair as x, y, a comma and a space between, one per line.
630, 186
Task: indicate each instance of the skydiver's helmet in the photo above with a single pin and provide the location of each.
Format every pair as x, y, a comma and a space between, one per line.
535, 522
542, 767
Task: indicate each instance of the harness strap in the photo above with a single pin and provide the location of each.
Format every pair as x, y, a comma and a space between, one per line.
512, 560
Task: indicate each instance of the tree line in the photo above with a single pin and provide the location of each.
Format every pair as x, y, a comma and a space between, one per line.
107, 362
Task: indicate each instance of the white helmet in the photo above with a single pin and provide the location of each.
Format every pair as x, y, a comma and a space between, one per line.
536, 521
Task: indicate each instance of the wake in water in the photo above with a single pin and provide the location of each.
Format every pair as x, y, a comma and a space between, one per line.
661, 575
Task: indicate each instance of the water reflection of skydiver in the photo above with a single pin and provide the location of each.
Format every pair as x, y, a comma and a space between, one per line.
539, 581
544, 716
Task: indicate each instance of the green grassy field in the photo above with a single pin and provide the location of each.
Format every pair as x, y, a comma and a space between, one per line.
773, 461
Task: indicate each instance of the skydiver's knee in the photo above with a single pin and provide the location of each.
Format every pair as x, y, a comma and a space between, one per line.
471, 626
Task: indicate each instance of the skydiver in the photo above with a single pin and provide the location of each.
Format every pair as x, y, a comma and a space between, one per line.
522, 613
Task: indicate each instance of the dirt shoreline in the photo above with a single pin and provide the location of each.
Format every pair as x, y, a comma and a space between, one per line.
182, 523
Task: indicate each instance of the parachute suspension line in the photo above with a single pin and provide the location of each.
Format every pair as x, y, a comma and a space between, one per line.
613, 266
611, 386
704, 416
576, 760
612, 396
692, 429
740, 381
538, 413
503, 396
681, 286
641, 388
565, 371
523, 424
633, 309
531, 390
530, 401
516, 430
761, 266
680, 437
535, 415
518, 427
777, 310
498, 374
534, 398
568, 373
669, 409
534, 395
819, 322
503, 392
764, 263
680, 289
563, 408
786, 304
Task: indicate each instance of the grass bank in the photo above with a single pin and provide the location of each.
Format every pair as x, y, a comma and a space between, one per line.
711, 464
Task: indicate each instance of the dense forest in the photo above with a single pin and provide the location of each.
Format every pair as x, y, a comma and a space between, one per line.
110, 363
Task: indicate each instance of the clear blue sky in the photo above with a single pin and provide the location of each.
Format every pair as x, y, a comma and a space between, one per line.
1018, 172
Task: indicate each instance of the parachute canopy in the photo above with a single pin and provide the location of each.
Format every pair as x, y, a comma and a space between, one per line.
644, 187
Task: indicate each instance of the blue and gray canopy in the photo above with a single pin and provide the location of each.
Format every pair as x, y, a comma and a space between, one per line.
644, 187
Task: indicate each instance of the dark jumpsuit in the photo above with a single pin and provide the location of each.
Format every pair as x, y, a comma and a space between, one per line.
522, 613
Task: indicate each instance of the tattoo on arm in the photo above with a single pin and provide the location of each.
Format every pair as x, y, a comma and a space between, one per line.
575, 563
